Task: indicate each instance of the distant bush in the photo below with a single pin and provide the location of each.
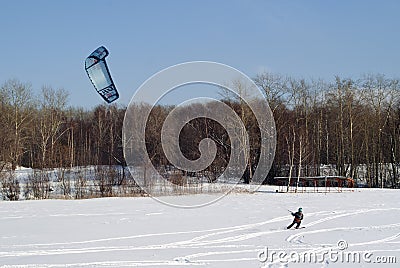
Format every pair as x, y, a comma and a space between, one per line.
10, 188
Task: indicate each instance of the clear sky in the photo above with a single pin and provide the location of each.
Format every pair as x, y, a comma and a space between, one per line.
46, 42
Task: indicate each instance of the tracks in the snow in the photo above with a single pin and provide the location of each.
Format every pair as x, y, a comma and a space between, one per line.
226, 244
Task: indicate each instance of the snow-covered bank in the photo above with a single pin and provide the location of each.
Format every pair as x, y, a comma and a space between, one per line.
234, 232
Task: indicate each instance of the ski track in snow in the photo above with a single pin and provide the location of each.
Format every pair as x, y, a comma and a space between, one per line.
206, 243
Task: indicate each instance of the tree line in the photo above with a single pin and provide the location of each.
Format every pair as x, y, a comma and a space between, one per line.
350, 125
43, 131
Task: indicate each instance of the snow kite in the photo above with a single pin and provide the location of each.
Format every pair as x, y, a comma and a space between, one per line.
98, 72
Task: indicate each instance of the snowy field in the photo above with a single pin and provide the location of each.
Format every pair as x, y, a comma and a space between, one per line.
352, 229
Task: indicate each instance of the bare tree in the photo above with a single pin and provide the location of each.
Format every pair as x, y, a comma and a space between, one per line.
379, 95
17, 97
275, 88
291, 152
50, 118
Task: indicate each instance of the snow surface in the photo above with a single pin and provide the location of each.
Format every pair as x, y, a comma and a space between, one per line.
233, 232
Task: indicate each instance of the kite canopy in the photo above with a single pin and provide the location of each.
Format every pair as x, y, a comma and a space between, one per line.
97, 70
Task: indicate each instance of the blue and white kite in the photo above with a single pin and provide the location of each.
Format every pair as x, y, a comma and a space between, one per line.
97, 70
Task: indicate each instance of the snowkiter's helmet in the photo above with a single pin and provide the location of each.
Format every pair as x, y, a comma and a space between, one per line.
300, 209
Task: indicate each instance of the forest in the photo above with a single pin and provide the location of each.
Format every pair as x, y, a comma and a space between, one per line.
351, 125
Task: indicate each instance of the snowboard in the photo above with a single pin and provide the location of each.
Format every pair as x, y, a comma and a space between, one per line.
301, 227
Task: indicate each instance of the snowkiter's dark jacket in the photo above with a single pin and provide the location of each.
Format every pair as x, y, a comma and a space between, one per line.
298, 216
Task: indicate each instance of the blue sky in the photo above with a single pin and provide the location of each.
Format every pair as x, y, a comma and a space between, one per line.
46, 42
